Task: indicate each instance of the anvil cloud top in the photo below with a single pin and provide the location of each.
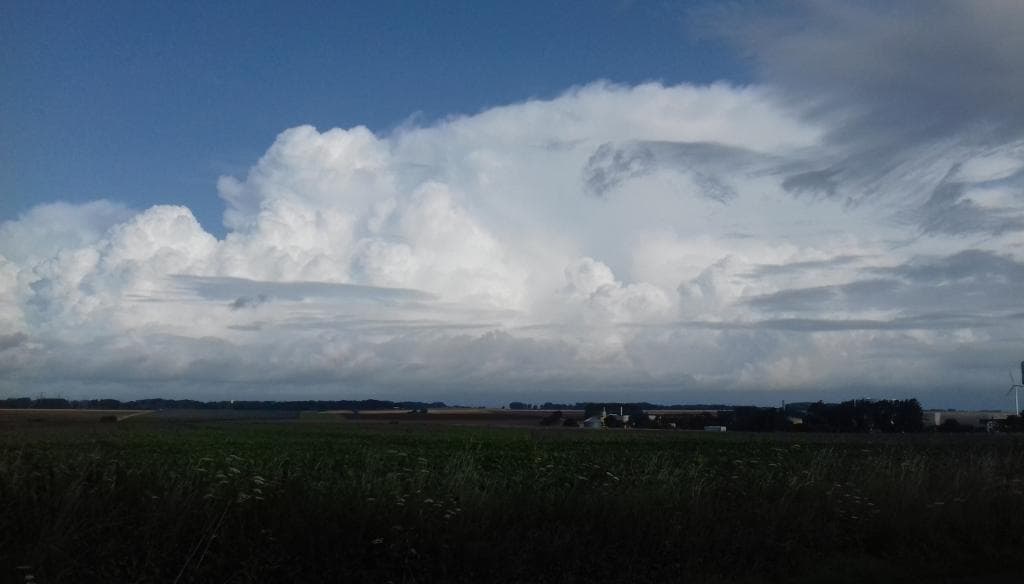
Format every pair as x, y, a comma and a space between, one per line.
809, 200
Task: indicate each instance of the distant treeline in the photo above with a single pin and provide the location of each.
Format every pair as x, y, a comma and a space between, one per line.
188, 404
642, 405
860, 415
849, 416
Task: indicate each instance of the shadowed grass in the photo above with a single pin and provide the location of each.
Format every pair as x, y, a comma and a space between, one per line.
150, 502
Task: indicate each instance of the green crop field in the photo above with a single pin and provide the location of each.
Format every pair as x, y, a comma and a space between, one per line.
296, 501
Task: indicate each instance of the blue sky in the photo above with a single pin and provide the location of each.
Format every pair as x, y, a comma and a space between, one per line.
149, 102
484, 202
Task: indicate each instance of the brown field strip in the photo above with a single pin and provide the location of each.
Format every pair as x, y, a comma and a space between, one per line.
66, 415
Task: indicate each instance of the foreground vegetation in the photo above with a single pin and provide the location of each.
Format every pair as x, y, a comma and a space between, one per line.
146, 501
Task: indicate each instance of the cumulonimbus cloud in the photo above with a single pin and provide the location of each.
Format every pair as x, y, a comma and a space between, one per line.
655, 241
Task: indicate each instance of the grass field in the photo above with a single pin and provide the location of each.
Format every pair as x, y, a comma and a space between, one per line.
151, 500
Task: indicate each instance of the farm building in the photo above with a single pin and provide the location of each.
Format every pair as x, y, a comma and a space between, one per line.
620, 409
613, 415
936, 418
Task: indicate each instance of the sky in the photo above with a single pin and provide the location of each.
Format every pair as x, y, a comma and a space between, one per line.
481, 202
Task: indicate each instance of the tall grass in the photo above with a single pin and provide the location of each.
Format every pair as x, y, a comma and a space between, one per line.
326, 502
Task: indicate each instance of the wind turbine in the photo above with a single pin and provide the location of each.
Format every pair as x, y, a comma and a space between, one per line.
1016, 387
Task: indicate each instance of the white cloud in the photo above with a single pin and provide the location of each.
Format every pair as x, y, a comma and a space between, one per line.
45, 230
645, 240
